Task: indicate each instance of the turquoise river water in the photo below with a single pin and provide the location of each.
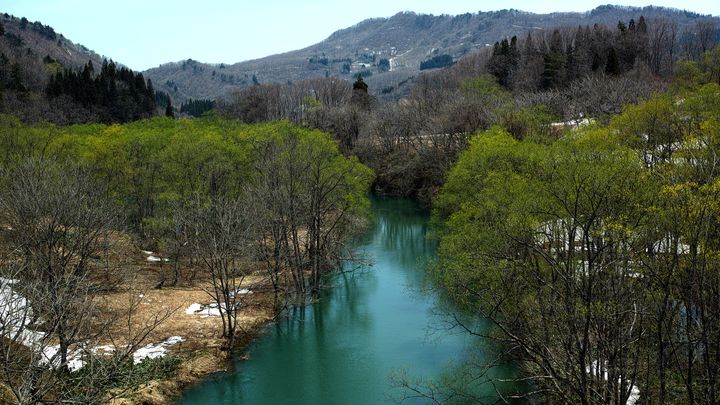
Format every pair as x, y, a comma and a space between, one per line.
372, 324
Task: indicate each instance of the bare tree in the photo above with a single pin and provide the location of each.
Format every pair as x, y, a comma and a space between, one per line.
663, 41
57, 221
221, 236
706, 31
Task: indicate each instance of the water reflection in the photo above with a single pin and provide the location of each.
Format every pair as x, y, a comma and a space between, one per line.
343, 349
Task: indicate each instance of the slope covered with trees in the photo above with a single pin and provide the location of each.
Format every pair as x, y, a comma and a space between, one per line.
45, 77
113, 95
542, 82
594, 254
390, 51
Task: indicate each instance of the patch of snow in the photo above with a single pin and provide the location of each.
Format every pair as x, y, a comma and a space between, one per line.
75, 363
15, 314
634, 395
154, 351
203, 310
243, 291
193, 308
8, 281
173, 340
103, 349
155, 259
150, 351
50, 357
211, 310
634, 390
27, 337
574, 123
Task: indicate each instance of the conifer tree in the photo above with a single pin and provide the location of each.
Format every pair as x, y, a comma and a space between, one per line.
169, 109
612, 67
16, 78
360, 95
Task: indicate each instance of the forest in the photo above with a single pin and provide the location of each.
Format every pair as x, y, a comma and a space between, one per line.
595, 254
223, 198
571, 175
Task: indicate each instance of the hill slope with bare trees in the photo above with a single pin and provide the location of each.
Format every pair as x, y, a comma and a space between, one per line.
390, 52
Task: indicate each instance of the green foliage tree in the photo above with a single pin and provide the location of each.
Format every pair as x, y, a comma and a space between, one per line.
304, 185
295, 180
588, 252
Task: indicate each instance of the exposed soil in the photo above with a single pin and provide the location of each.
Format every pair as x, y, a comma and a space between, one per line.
201, 353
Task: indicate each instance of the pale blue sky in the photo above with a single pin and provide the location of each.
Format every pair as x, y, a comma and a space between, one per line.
146, 33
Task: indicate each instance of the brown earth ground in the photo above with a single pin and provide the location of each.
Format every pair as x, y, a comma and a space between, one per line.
201, 353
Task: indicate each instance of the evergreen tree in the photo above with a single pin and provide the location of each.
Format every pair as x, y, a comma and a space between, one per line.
197, 108
169, 110
384, 65
504, 60
621, 27
642, 25
16, 78
132, 99
554, 62
360, 96
612, 67
579, 56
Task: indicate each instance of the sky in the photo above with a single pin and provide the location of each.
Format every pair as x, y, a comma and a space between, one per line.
146, 33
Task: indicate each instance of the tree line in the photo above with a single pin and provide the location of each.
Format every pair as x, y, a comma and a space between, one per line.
553, 59
196, 108
119, 95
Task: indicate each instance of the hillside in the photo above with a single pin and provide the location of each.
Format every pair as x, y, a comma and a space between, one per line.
38, 51
46, 77
36, 39
389, 50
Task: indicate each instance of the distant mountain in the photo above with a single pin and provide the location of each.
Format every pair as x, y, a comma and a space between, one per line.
390, 51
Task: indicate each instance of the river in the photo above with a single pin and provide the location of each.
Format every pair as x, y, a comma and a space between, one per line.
372, 324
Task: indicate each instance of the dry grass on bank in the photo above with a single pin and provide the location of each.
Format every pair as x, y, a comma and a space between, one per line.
201, 351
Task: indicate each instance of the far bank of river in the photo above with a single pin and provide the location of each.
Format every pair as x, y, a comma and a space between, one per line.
372, 324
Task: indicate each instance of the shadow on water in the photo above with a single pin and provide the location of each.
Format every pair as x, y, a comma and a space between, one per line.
344, 349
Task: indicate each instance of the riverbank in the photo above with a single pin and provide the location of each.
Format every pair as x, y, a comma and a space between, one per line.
201, 351
189, 321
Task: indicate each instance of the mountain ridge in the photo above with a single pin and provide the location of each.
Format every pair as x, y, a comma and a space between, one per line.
405, 40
